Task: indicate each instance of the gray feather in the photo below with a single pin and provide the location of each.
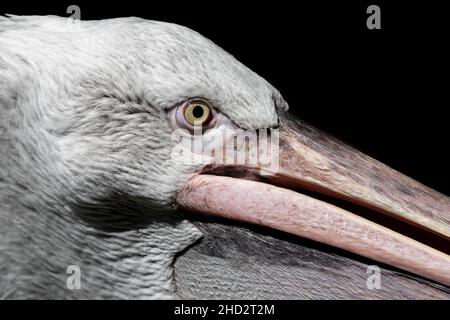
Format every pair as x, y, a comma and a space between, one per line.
243, 262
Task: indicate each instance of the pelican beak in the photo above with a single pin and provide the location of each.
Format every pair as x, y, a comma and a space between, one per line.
326, 191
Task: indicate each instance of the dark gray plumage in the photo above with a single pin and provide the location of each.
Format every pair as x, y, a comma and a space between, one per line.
242, 262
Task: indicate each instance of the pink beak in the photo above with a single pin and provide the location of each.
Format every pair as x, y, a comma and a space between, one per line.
317, 166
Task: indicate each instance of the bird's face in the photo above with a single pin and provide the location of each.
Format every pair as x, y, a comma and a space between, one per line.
115, 106
98, 117
122, 114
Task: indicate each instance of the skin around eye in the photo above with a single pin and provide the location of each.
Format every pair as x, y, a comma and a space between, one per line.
193, 114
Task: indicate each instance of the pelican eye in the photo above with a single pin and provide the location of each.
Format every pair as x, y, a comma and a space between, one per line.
197, 113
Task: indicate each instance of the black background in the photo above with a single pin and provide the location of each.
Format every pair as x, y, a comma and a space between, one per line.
283, 309
383, 91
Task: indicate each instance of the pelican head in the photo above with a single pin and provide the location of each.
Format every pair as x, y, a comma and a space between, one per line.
100, 164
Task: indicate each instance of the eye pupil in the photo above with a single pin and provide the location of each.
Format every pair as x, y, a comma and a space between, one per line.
198, 112
195, 113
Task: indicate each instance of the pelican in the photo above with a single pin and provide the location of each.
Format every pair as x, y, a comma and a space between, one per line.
97, 171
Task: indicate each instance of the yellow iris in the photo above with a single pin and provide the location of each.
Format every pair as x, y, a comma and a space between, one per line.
197, 113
